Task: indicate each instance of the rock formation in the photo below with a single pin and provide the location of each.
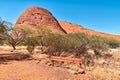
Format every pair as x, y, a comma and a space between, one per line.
38, 16
74, 28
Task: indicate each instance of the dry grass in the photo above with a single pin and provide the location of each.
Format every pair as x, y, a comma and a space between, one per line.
100, 73
110, 71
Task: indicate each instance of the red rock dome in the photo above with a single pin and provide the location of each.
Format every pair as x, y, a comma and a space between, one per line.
38, 16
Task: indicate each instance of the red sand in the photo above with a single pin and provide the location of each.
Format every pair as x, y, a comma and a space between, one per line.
31, 70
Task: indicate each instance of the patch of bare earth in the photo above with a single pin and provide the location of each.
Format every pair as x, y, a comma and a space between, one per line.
19, 66
31, 70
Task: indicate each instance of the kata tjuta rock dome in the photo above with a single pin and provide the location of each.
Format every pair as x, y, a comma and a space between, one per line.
38, 16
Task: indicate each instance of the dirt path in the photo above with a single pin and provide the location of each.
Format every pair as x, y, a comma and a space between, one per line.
19, 66
31, 70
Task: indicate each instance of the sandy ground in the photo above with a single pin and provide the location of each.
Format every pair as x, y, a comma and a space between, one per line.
32, 70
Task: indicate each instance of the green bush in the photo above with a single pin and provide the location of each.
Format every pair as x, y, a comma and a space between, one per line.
31, 42
113, 43
30, 49
69, 43
98, 44
78, 44
4, 30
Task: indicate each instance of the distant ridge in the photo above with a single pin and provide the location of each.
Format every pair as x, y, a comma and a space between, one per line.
74, 28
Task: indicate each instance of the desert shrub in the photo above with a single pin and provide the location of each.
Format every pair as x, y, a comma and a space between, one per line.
30, 49
113, 43
69, 43
55, 44
37, 37
31, 42
77, 45
5, 27
98, 44
43, 32
81, 44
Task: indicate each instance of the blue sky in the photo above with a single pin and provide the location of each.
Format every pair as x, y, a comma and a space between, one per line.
99, 15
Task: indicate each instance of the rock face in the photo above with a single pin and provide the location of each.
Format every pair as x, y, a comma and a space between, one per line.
74, 28
38, 16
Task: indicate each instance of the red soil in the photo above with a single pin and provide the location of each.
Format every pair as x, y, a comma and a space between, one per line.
31, 70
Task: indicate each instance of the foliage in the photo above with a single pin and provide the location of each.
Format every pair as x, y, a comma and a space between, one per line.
113, 43
98, 44
31, 42
78, 44
43, 32
70, 43
4, 30
17, 36
37, 38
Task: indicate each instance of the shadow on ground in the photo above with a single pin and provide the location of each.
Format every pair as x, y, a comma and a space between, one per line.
14, 56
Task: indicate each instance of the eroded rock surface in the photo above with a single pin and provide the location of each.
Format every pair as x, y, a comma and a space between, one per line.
38, 16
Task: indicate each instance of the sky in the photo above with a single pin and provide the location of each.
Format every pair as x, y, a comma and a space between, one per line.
99, 15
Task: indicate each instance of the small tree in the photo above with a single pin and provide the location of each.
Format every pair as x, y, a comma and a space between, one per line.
43, 32
17, 36
4, 30
37, 37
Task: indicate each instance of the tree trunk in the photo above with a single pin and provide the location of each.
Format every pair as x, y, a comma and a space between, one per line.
14, 48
